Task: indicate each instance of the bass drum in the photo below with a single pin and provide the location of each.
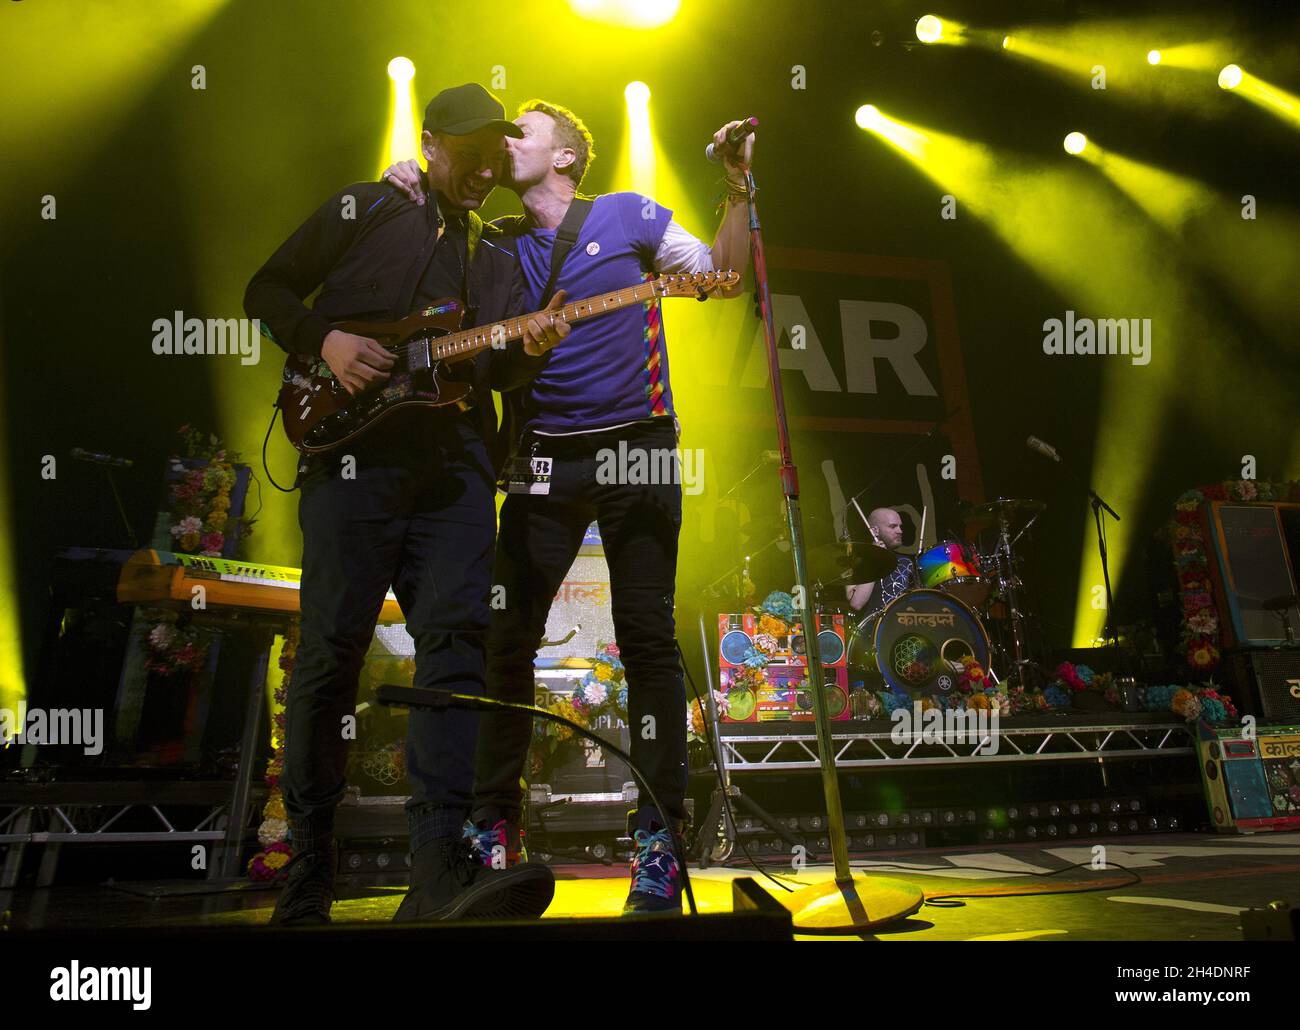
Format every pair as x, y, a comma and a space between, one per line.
915, 645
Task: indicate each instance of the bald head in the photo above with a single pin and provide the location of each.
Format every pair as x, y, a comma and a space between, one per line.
887, 525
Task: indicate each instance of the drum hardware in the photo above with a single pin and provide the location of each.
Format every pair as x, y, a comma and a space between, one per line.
850, 562
1000, 513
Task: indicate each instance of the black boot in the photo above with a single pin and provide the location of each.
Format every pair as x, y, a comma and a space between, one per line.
306, 898
448, 883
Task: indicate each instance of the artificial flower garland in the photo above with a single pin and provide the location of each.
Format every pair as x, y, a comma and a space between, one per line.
273, 833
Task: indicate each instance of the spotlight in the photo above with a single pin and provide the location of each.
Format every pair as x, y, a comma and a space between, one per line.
929, 29
1075, 143
867, 117
637, 94
1006, 42
1230, 77
1153, 57
400, 69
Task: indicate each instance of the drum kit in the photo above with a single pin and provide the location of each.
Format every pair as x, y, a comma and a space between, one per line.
916, 643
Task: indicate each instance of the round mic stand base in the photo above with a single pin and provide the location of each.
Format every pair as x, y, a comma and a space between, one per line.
865, 902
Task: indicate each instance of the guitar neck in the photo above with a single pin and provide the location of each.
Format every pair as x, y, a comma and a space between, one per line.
467, 342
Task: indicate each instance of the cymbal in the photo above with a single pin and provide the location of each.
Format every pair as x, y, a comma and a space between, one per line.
836, 563
993, 512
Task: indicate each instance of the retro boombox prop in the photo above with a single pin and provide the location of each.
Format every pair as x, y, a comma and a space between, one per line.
1252, 784
780, 692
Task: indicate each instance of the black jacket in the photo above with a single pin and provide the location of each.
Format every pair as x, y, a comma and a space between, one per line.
369, 267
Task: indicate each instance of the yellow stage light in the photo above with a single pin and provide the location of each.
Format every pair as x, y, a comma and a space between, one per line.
1230, 77
637, 94
635, 14
929, 29
867, 117
1075, 143
400, 69
1153, 57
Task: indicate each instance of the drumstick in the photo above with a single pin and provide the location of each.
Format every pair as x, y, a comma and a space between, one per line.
920, 537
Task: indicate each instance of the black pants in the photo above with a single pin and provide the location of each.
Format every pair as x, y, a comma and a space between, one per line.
419, 516
539, 539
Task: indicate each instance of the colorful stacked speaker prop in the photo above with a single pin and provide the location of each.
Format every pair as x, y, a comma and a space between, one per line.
1252, 784
779, 691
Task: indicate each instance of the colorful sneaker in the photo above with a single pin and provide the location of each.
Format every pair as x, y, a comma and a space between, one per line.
499, 847
656, 876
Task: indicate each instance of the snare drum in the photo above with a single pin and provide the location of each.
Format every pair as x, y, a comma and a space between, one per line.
915, 644
955, 568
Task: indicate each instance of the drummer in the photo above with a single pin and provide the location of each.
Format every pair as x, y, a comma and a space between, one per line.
867, 598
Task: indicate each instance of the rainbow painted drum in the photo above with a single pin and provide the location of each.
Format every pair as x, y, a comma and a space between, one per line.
916, 643
954, 568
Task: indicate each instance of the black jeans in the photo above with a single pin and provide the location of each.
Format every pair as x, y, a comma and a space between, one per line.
539, 539
417, 516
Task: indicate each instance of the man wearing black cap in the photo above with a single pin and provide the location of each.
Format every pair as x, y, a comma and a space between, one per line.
409, 505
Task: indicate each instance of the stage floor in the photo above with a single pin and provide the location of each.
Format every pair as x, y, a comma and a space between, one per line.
1193, 886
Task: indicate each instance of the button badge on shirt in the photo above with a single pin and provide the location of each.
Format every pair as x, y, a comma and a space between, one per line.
593, 248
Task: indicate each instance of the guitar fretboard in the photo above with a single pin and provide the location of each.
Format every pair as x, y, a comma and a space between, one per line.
500, 333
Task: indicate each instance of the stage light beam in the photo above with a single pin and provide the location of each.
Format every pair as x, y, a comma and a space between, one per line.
1075, 143
403, 137
1273, 99
1153, 57
640, 157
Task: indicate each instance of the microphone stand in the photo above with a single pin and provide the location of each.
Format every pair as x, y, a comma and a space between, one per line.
1098, 506
847, 903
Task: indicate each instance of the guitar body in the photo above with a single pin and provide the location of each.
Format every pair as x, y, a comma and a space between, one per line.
318, 412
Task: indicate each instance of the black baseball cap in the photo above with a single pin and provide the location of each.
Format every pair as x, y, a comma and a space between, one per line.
461, 110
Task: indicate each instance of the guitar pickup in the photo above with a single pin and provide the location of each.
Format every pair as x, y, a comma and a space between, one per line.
419, 355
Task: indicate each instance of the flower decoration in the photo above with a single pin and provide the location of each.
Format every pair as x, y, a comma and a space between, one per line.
203, 475
779, 605
1057, 697
972, 676
266, 865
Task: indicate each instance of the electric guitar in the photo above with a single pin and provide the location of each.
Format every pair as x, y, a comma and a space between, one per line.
320, 414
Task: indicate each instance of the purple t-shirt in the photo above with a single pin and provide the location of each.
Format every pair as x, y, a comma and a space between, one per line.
611, 368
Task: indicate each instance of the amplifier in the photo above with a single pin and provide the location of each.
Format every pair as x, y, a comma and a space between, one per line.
1251, 784
1268, 683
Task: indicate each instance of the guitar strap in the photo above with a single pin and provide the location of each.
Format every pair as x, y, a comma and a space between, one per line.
513, 413
469, 281
566, 235
469, 288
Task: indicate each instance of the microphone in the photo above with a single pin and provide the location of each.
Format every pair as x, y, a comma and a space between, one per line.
1045, 449
102, 459
734, 139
